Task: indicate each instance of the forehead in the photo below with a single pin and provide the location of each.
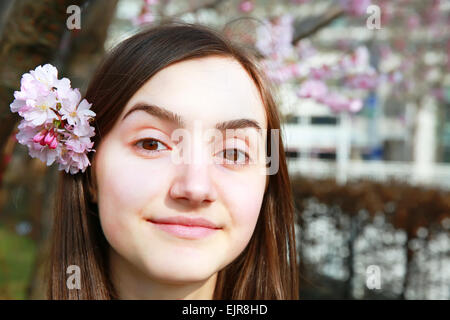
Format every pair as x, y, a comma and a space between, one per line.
207, 89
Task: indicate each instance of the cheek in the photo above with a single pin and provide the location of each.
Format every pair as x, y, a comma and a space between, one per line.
248, 205
244, 200
128, 182
125, 186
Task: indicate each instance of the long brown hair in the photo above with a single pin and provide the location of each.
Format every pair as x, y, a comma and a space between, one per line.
266, 269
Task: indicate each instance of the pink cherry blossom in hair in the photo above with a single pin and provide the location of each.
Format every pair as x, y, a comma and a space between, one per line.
56, 122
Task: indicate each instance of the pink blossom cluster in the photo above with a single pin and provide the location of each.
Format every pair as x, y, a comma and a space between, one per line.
147, 15
280, 72
356, 61
283, 62
318, 90
323, 72
274, 38
246, 6
366, 81
304, 49
356, 7
55, 125
353, 71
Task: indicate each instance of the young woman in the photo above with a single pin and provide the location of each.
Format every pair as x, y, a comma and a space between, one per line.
141, 225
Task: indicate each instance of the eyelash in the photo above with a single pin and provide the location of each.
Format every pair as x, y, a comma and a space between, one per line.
236, 164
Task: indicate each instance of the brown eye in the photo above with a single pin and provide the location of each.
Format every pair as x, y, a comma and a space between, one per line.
230, 154
149, 144
233, 155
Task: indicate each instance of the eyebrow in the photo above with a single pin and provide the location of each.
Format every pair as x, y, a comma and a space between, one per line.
167, 115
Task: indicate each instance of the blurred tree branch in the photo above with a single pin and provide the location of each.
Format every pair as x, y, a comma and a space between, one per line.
309, 27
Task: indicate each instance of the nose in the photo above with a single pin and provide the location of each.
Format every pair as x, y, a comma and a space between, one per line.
193, 184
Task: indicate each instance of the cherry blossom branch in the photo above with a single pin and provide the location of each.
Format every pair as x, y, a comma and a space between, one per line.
324, 21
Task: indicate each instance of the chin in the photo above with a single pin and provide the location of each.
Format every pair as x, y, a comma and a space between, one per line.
181, 273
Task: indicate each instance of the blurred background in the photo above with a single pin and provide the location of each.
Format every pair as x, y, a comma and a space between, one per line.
364, 91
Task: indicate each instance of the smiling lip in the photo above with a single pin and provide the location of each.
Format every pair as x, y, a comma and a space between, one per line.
184, 227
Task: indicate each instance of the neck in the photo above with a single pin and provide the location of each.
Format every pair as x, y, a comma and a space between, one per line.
131, 283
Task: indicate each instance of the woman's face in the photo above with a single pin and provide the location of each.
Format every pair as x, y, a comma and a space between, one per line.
140, 183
